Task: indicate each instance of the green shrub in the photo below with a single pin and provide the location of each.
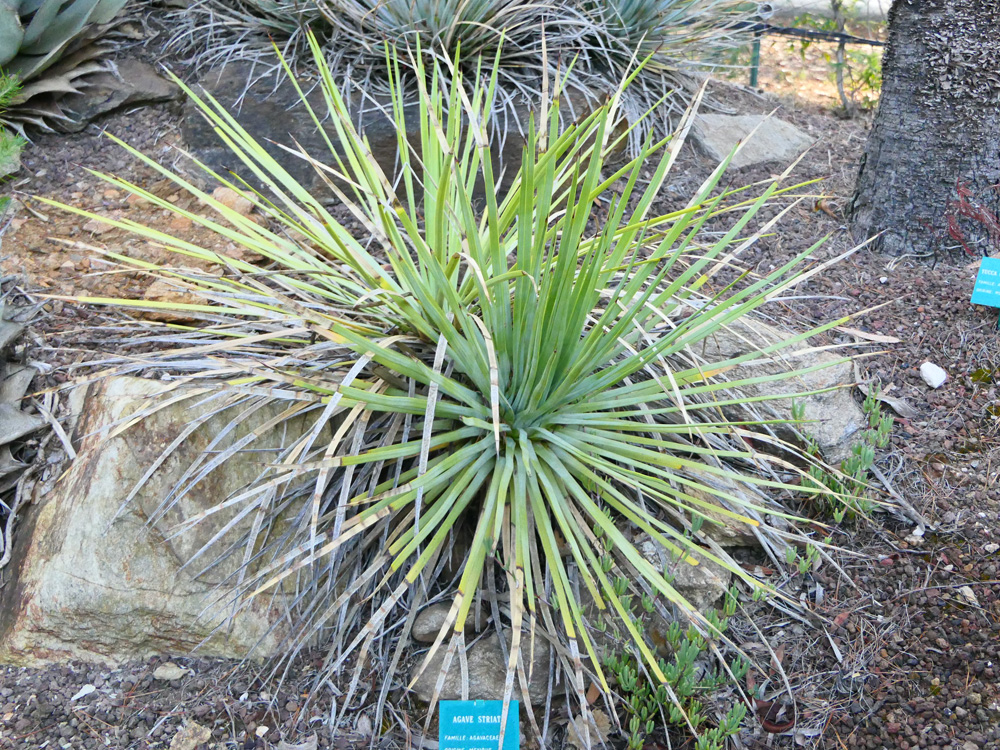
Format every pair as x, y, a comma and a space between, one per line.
522, 369
680, 699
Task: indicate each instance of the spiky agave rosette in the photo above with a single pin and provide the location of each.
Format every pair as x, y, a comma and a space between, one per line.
682, 38
531, 367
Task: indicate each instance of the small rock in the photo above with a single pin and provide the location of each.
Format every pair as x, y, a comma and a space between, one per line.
190, 736
933, 375
95, 226
430, 619
162, 290
975, 699
765, 139
231, 199
83, 692
487, 671
991, 548
168, 672
969, 595
180, 223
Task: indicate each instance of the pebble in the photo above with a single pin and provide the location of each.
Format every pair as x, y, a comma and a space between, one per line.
933, 375
169, 671
231, 199
180, 223
97, 227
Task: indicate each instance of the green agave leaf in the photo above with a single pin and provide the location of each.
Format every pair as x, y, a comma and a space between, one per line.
11, 31
57, 25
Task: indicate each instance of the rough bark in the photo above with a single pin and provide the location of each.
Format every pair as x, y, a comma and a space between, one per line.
928, 178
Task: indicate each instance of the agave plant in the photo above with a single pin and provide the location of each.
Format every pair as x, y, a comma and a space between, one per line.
52, 46
599, 39
532, 369
670, 32
438, 24
678, 38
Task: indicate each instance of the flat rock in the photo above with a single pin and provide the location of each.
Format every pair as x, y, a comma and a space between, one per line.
133, 82
832, 418
702, 585
774, 140
487, 671
92, 584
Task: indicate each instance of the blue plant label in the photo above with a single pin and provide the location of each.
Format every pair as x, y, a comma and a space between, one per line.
475, 725
987, 290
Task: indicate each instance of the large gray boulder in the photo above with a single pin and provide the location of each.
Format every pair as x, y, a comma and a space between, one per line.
90, 583
269, 109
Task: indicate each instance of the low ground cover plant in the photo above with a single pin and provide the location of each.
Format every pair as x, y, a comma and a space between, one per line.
530, 370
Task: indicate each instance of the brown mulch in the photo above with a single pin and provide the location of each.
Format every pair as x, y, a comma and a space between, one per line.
908, 660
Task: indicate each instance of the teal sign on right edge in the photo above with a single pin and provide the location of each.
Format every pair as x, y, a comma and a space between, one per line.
987, 290
475, 725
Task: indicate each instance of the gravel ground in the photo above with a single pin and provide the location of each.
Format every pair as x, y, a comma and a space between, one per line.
909, 654
149, 704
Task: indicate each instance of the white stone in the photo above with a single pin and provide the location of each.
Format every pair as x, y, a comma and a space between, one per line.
764, 138
933, 375
169, 671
